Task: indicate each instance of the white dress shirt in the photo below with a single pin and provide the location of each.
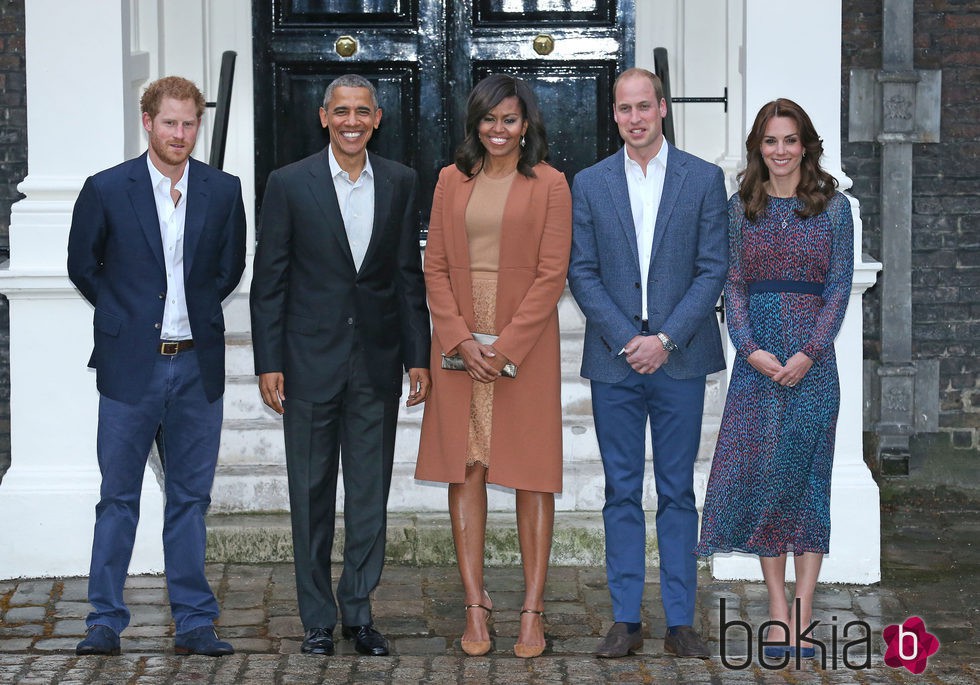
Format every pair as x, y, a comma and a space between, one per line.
176, 324
645, 190
356, 200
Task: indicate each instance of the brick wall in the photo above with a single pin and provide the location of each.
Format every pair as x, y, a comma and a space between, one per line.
13, 169
945, 205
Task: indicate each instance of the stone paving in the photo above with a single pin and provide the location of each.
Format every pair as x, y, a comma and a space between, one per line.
930, 569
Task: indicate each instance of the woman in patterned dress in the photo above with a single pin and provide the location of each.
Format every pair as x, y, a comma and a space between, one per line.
495, 263
791, 265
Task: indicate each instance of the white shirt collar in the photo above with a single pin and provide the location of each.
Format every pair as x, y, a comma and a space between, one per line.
660, 159
156, 178
336, 170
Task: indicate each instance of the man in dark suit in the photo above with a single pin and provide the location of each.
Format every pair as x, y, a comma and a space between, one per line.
156, 244
338, 311
649, 257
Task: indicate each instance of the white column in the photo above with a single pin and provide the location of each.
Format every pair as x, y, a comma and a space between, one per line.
77, 72
775, 67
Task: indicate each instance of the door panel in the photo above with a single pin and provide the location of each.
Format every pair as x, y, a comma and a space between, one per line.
423, 57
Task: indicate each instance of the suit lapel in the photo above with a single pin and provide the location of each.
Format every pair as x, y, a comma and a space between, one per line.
321, 185
198, 196
673, 182
145, 207
615, 177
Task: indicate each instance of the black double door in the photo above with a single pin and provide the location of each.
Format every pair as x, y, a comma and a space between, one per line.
424, 57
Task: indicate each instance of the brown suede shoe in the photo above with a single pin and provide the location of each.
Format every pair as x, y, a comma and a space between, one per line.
619, 642
686, 642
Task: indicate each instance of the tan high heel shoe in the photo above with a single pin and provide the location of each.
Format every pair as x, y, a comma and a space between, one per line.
524, 651
477, 647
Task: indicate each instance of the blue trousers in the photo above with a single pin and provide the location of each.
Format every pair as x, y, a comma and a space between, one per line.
674, 409
191, 425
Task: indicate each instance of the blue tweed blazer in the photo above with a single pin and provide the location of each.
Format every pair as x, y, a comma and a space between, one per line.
687, 266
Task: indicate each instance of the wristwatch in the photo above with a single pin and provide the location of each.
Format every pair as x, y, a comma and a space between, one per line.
668, 344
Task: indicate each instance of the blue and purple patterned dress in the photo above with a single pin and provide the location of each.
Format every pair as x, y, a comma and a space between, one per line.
788, 285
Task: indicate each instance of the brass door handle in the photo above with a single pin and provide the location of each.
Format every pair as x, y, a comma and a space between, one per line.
345, 46
543, 44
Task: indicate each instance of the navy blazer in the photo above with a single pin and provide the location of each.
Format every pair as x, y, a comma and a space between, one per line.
115, 259
307, 299
687, 266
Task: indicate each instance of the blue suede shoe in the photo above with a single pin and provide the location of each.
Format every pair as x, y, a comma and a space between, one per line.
777, 651
99, 639
202, 641
805, 652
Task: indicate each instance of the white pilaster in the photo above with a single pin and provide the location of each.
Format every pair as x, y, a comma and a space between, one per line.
775, 67
76, 76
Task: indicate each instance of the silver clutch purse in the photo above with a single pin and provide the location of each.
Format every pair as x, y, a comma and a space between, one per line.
454, 362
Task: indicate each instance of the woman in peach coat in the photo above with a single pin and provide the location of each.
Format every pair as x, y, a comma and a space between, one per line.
495, 263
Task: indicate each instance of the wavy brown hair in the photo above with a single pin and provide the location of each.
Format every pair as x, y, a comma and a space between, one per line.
816, 186
486, 95
174, 87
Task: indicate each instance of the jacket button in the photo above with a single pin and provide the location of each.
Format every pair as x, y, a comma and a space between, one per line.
636, 318
162, 295
350, 320
636, 285
156, 326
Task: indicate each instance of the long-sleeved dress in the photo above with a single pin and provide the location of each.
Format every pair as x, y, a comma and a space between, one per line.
788, 286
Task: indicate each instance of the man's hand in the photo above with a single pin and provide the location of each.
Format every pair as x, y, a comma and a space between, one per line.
645, 353
419, 384
271, 385
477, 358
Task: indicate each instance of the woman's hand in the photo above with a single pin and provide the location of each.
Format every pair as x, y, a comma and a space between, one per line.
794, 370
765, 363
478, 360
498, 361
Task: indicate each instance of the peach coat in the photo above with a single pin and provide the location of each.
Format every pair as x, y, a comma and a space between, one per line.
535, 241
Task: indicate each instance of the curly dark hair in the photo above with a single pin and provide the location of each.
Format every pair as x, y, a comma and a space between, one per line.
486, 95
174, 87
816, 186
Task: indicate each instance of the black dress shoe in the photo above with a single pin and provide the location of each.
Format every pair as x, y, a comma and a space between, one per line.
202, 640
367, 640
99, 639
318, 641
619, 642
684, 641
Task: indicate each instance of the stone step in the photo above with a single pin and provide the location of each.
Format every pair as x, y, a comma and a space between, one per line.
421, 539
251, 472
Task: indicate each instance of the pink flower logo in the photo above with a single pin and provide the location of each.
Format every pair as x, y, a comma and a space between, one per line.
909, 645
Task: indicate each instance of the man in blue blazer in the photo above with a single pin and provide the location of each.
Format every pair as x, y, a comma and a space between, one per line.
649, 257
156, 244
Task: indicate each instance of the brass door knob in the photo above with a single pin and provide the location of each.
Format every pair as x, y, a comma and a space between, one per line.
345, 46
543, 44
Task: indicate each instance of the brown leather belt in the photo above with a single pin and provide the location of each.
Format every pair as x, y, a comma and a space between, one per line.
172, 347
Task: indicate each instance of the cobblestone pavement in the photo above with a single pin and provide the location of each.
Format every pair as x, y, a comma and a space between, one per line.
930, 569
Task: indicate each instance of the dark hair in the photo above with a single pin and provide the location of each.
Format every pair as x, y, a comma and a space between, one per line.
486, 95
658, 86
350, 81
816, 186
174, 87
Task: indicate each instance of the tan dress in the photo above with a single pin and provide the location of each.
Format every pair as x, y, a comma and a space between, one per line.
484, 215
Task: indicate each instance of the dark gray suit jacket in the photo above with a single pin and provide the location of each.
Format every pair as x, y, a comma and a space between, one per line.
687, 267
307, 300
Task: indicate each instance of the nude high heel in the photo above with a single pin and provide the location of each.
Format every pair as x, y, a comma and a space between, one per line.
524, 651
477, 647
